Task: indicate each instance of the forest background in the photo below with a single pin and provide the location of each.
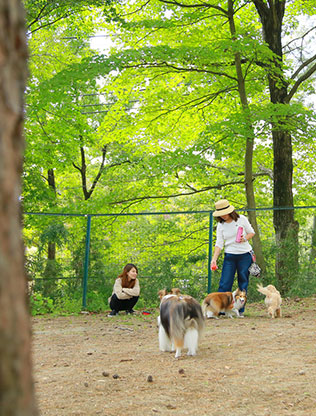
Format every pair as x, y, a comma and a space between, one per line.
192, 102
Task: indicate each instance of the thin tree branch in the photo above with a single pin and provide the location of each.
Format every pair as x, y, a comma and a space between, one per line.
201, 4
165, 64
192, 103
50, 23
37, 18
301, 67
299, 82
137, 10
207, 188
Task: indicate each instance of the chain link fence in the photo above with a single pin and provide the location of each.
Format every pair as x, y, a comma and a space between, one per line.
72, 260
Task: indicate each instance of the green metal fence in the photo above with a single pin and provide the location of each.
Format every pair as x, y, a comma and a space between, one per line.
68, 254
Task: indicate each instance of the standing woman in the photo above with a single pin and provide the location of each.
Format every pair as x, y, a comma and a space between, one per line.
237, 255
125, 291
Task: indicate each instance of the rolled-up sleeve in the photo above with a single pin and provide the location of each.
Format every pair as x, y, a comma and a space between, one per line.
219, 237
248, 227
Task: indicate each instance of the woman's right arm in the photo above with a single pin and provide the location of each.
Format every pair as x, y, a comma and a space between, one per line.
118, 290
219, 244
216, 253
133, 291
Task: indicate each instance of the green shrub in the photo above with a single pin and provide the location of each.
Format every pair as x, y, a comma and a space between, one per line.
40, 305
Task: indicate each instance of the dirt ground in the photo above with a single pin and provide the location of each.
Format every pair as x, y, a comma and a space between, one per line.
94, 365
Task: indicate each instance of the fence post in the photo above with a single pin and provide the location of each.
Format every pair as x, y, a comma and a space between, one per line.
86, 263
210, 243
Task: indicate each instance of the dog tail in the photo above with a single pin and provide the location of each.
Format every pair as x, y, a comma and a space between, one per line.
177, 325
205, 304
262, 289
186, 316
198, 317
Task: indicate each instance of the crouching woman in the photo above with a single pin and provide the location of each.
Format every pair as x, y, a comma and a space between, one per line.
125, 291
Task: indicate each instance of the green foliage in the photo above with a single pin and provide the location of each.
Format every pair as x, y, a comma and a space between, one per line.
54, 233
97, 302
161, 110
40, 305
68, 304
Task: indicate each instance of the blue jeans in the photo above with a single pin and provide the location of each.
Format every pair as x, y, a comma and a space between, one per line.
233, 263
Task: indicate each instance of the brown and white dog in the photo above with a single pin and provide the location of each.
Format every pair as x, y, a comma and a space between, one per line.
273, 300
180, 323
225, 302
165, 292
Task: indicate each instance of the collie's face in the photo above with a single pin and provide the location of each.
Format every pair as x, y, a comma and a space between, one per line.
240, 298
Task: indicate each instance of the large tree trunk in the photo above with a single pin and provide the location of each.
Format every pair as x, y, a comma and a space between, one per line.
16, 384
250, 195
286, 228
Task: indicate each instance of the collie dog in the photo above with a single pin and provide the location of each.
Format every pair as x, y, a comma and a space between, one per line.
167, 292
180, 324
225, 302
273, 300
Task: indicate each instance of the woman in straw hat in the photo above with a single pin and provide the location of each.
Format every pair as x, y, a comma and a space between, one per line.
237, 255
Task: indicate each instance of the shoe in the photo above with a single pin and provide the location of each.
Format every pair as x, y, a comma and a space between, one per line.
113, 313
131, 312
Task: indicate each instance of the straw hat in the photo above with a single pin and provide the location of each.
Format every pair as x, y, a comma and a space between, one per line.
222, 208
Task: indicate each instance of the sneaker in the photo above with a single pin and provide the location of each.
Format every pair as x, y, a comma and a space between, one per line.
131, 312
113, 313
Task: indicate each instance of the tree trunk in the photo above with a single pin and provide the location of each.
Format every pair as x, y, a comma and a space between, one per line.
48, 283
250, 195
286, 228
51, 251
312, 256
16, 384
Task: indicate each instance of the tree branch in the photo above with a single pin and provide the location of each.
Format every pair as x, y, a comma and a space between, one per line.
165, 64
301, 67
83, 172
37, 18
303, 78
199, 5
193, 103
207, 188
137, 10
101, 168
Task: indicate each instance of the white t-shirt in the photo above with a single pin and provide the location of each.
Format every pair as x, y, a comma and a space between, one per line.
226, 236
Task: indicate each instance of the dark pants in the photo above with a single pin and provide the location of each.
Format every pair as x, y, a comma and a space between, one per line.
231, 264
117, 304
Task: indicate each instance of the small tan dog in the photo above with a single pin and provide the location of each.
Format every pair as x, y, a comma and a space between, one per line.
273, 300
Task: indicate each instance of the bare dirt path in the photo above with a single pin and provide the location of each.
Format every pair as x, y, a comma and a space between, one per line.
94, 365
